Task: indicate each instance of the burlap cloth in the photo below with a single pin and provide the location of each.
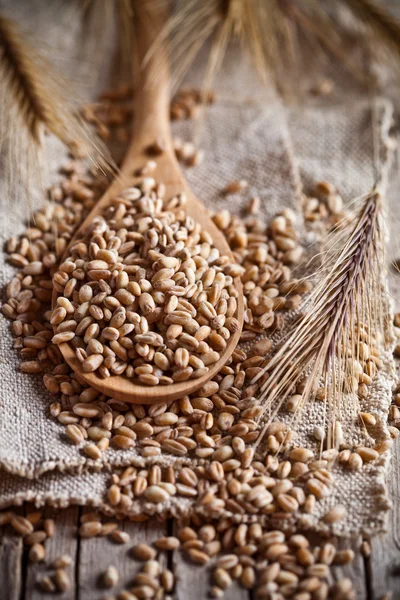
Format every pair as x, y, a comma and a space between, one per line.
247, 134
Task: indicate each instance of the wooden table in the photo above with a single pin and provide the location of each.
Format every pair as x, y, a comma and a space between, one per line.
373, 577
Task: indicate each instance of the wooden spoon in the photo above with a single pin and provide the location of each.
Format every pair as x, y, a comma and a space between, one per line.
151, 110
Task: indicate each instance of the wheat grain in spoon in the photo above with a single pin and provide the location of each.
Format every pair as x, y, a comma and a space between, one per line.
151, 109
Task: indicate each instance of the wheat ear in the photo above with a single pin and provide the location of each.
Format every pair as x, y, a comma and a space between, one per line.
343, 318
193, 22
275, 33
34, 100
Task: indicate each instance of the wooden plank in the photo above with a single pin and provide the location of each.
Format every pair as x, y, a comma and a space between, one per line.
384, 562
98, 553
384, 567
194, 581
11, 553
354, 570
64, 541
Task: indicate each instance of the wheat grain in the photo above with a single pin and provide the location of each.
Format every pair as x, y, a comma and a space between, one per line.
140, 295
47, 585
37, 553
61, 562
62, 580
110, 577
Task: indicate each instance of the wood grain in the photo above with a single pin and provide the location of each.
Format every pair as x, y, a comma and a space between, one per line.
64, 541
194, 581
11, 553
151, 109
98, 553
355, 570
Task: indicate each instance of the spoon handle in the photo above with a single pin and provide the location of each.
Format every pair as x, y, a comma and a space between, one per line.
151, 121
152, 82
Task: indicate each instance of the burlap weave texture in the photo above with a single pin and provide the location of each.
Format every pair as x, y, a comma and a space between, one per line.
278, 150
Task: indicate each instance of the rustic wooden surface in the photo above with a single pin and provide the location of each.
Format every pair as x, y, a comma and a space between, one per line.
373, 577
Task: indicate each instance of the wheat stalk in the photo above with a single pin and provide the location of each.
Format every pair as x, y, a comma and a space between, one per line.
325, 343
34, 100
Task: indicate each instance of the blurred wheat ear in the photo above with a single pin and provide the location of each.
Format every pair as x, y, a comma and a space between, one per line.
276, 34
35, 100
380, 24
